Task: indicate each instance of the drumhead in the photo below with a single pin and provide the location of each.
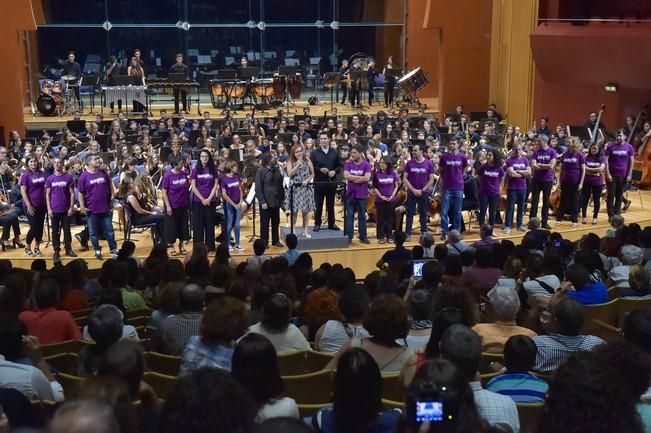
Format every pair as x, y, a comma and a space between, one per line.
46, 104
408, 75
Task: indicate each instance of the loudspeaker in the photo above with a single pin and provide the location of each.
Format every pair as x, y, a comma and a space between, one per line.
313, 100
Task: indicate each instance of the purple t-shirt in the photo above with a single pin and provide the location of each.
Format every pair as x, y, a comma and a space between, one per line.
489, 179
571, 163
518, 163
176, 185
544, 157
618, 156
231, 184
59, 186
35, 183
385, 183
357, 190
205, 181
96, 188
593, 179
452, 168
418, 173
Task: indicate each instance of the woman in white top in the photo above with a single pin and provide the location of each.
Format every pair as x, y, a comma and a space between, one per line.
387, 323
255, 367
353, 305
537, 283
276, 326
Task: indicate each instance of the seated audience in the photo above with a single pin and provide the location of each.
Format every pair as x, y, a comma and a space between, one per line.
209, 400
85, 416
173, 334
505, 303
357, 398
259, 247
629, 255
538, 282
483, 274
277, 327
639, 283
455, 243
387, 323
222, 323
399, 253
47, 323
420, 327
292, 253
585, 290
255, 367
353, 305
462, 346
486, 239
563, 338
105, 329
22, 366
441, 374
517, 382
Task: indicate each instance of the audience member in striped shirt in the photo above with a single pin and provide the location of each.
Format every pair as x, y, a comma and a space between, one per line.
563, 339
517, 382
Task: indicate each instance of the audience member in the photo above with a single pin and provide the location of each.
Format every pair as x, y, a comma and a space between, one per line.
105, 329
420, 327
277, 327
505, 303
585, 290
223, 322
517, 382
456, 244
353, 305
47, 323
258, 258
292, 253
175, 330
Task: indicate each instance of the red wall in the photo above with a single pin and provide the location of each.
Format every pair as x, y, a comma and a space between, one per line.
573, 64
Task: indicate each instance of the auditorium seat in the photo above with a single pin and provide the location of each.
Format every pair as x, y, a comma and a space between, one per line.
162, 384
63, 362
311, 388
164, 364
529, 414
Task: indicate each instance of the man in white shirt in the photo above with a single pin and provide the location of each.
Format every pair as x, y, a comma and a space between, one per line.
35, 381
462, 346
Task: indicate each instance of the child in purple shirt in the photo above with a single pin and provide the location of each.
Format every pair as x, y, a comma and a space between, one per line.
176, 197
490, 177
232, 194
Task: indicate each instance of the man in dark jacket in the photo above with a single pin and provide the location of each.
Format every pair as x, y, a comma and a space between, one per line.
269, 193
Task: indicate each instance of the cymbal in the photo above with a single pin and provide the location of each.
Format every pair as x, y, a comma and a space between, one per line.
68, 77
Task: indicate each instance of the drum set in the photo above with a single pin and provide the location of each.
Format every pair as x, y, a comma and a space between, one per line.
57, 97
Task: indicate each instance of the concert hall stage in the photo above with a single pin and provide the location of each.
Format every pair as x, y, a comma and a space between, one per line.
361, 258
38, 121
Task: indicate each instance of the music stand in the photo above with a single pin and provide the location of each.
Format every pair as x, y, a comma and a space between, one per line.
93, 82
362, 78
330, 81
249, 72
228, 76
177, 77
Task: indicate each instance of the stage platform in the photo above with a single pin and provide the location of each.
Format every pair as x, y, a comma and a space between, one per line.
37, 121
361, 258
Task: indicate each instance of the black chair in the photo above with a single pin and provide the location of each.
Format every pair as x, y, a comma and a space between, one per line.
128, 225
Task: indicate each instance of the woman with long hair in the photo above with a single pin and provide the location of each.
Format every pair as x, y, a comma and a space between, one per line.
517, 171
593, 184
357, 399
204, 182
32, 188
490, 176
385, 187
231, 187
255, 367
135, 70
142, 209
301, 172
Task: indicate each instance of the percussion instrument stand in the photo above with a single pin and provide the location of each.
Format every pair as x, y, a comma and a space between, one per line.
252, 237
93, 81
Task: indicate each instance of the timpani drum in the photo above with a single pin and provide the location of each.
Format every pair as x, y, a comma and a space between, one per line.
263, 88
279, 86
295, 85
235, 90
217, 89
413, 81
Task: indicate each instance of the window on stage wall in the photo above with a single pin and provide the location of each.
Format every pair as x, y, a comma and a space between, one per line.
74, 11
144, 11
221, 30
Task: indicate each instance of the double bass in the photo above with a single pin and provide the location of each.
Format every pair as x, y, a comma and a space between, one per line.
643, 146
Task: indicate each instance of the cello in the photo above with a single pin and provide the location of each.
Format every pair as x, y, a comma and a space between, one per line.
643, 154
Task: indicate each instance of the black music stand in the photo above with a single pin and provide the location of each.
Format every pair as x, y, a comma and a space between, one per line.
92, 81
331, 80
361, 77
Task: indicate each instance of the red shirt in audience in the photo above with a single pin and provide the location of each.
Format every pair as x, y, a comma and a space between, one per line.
51, 325
73, 300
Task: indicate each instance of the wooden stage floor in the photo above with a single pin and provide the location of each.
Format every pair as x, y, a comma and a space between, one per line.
361, 258
38, 121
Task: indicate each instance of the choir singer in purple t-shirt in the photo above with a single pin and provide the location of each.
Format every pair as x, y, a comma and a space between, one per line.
96, 191
453, 165
620, 157
418, 178
357, 173
59, 195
